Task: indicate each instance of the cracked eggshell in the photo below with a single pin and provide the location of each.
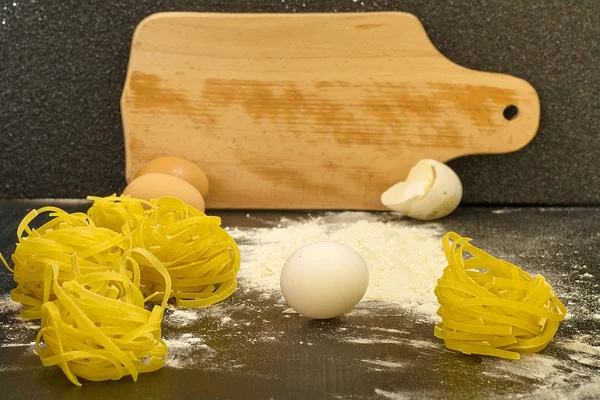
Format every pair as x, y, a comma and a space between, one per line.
431, 191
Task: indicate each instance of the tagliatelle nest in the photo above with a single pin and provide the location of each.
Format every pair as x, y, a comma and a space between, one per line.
57, 242
86, 275
201, 257
492, 307
98, 328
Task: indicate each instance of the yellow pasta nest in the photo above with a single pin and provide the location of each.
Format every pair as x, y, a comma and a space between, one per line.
55, 243
492, 307
86, 275
120, 213
200, 256
98, 328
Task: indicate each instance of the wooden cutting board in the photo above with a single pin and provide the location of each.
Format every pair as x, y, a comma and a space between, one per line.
310, 111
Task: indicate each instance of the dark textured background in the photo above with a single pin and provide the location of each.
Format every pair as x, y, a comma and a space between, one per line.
63, 64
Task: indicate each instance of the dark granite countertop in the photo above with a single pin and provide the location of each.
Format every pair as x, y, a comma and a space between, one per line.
393, 354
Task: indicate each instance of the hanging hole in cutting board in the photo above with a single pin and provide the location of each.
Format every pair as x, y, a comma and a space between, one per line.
510, 112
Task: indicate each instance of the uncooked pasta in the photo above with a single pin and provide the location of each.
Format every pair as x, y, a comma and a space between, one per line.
98, 328
56, 242
89, 278
118, 213
492, 307
201, 257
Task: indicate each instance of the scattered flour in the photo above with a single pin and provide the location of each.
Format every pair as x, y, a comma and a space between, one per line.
576, 377
580, 346
390, 395
414, 343
15, 331
386, 394
584, 390
582, 352
387, 364
420, 344
373, 341
423, 344
186, 350
404, 261
579, 290
532, 366
180, 317
30, 344
390, 330
7, 305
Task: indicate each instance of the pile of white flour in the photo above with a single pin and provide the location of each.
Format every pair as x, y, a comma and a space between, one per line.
404, 261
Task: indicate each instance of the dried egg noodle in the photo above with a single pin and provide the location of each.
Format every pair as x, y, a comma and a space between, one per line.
54, 243
86, 275
492, 307
115, 212
201, 257
98, 328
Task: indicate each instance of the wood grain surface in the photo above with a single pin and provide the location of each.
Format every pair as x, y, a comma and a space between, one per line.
309, 111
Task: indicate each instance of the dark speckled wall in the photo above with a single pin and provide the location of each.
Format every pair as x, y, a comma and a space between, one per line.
63, 63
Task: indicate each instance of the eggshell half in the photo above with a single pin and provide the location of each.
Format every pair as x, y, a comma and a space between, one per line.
431, 191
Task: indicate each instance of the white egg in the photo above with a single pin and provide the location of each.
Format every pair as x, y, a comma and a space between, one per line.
324, 279
432, 190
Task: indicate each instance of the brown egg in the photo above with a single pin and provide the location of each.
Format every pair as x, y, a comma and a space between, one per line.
179, 167
152, 186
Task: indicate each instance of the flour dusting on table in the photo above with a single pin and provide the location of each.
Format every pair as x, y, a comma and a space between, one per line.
186, 349
386, 364
180, 317
404, 260
8, 305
